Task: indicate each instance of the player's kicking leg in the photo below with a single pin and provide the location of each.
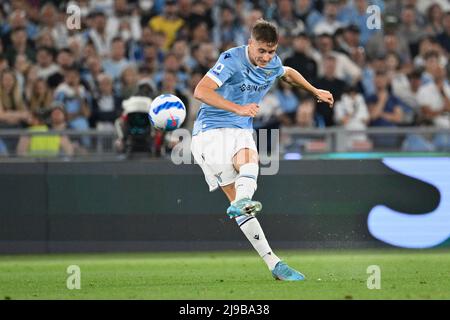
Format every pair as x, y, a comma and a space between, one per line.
244, 208
246, 163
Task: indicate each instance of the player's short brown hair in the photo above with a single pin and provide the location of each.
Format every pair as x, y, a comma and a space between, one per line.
265, 31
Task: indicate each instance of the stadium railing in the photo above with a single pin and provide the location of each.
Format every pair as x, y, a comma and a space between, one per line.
295, 142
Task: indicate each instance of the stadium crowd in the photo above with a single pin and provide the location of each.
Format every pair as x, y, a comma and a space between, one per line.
394, 73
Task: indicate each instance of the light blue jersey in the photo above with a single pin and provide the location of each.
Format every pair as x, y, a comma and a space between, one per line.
241, 82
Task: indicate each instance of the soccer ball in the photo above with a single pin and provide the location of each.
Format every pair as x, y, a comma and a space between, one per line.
167, 112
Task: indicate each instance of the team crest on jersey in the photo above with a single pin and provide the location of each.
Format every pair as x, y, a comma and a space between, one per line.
218, 68
268, 73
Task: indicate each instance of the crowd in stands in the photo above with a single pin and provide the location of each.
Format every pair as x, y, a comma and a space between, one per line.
395, 75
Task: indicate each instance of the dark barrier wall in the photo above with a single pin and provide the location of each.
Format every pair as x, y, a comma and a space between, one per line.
155, 205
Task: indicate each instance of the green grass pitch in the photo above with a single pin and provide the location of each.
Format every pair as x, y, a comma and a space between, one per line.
340, 274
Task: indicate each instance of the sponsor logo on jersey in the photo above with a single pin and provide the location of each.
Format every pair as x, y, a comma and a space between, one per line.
253, 87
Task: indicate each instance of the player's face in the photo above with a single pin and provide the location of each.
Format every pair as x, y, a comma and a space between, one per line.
260, 53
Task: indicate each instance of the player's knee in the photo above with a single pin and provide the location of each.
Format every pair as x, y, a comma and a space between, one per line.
245, 156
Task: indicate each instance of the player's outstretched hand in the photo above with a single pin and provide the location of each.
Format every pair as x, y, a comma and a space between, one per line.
248, 110
325, 96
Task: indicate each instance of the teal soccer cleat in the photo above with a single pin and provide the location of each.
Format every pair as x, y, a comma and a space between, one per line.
244, 206
285, 273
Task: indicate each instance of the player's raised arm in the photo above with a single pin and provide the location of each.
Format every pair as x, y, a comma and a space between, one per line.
206, 92
294, 78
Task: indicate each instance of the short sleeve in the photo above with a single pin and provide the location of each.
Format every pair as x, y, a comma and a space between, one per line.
280, 69
224, 69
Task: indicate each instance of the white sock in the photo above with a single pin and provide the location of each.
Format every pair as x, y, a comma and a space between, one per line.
254, 233
245, 183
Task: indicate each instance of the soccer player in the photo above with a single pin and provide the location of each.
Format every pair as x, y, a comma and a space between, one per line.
222, 142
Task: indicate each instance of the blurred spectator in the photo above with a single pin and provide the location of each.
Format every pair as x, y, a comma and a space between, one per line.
358, 16
168, 22
345, 70
392, 45
128, 82
202, 12
199, 34
304, 9
41, 96
306, 114
19, 45
384, 107
3, 63
348, 41
431, 66
385, 110
250, 19
397, 75
45, 145
18, 19
107, 106
434, 102
185, 9
351, 112
99, 35
329, 82
58, 122
102, 5
444, 37
90, 75
268, 119
74, 98
124, 22
45, 63
64, 59
117, 62
428, 45
300, 59
88, 51
13, 111
136, 47
180, 49
172, 64
205, 56
329, 23
21, 68
395, 7
387, 40
435, 16
406, 88
288, 103
44, 39
410, 30
270, 113
57, 29
288, 26
229, 29
150, 58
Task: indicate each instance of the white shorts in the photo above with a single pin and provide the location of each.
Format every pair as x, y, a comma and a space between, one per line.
214, 150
